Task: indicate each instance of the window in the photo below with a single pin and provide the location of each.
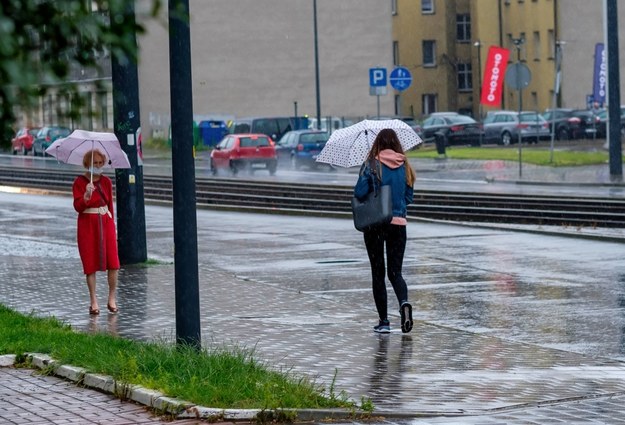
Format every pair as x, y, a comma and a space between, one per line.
394, 7
428, 103
427, 6
395, 53
463, 27
103, 109
429, 53
536, 45
552, 44
465, 77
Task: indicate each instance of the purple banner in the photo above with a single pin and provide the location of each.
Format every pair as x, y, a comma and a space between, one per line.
600, 77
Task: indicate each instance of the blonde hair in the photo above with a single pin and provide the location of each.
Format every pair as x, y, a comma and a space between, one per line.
86, 159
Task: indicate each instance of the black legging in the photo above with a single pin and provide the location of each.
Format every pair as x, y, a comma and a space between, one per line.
395, 238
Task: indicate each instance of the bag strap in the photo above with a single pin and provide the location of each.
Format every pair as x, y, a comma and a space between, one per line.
374, 166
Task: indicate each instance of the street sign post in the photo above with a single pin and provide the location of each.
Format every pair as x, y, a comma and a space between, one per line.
518, 76
377, 84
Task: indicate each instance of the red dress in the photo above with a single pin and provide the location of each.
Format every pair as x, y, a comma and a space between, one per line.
96, 235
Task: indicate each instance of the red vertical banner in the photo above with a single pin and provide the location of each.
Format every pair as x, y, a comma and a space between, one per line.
494, 72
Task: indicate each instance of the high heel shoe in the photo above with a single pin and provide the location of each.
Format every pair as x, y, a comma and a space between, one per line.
112, 309
94, 311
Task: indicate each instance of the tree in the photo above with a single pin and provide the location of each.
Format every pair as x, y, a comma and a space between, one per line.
43, 41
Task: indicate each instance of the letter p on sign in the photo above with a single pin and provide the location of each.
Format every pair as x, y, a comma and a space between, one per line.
377, 77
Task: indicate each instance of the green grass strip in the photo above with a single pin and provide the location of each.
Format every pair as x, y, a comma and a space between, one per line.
536, 156
220, 378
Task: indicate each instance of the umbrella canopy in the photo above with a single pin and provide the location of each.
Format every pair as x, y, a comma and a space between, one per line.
349, 146
72, 149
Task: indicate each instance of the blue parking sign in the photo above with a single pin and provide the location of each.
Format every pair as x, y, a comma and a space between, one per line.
400, 78
377, 77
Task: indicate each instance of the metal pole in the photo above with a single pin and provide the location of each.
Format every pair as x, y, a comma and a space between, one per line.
556, 90
518, 42
183, 177
478, 44
614, 92
295, 112
317, 67
131, 231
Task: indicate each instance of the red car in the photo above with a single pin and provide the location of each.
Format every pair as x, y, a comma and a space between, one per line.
23, 140
244, 152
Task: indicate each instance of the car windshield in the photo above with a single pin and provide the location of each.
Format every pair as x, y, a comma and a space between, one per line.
531, 117
249, 142
460, 119
314, 138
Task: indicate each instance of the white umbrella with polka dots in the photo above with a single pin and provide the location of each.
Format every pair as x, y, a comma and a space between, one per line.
349, 146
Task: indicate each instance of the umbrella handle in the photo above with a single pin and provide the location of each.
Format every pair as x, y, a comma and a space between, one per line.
91, 168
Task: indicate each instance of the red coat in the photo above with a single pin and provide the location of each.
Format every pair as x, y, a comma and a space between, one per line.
96, 235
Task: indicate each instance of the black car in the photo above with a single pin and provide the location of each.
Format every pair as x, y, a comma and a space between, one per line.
602, 126
274, 127
301, 147
452, 128
572, 123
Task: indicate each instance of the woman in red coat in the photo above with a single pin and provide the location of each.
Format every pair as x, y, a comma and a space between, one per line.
96, 235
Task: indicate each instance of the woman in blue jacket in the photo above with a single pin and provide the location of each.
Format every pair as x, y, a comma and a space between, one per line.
387, 162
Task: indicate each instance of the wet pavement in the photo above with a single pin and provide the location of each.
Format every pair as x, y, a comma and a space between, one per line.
511, 327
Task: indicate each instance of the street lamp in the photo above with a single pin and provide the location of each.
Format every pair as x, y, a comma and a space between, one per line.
316, 66
478, 44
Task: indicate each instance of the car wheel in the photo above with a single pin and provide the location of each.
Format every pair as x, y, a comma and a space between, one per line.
272, 166
506, 138
562, 134
233, 168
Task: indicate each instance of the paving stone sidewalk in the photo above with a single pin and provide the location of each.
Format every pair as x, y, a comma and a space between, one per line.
510, 327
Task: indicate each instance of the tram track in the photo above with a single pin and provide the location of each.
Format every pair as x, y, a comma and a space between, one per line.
335, 200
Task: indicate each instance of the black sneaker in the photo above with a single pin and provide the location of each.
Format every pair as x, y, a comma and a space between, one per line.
406, 317
384, 327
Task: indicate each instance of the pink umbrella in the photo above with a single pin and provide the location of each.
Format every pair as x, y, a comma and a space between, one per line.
72, 149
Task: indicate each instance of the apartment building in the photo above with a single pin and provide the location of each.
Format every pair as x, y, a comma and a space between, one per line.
445, 43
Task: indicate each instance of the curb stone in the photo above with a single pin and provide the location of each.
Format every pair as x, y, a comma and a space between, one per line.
179, 409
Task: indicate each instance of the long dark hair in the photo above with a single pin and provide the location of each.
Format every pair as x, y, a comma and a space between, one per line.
387, 139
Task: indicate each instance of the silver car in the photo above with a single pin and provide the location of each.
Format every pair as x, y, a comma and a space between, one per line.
504, 127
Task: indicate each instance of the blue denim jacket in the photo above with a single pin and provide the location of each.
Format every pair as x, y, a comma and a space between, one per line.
395, 177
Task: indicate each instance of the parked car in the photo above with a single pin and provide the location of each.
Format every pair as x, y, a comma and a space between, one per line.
504, 127
571, 123
45, 137
23, 140
244, 151
602, 126
274, 127
301, 147
411, 121
452, 129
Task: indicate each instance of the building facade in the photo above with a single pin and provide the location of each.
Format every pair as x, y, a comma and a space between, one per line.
256, 58
445, 43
